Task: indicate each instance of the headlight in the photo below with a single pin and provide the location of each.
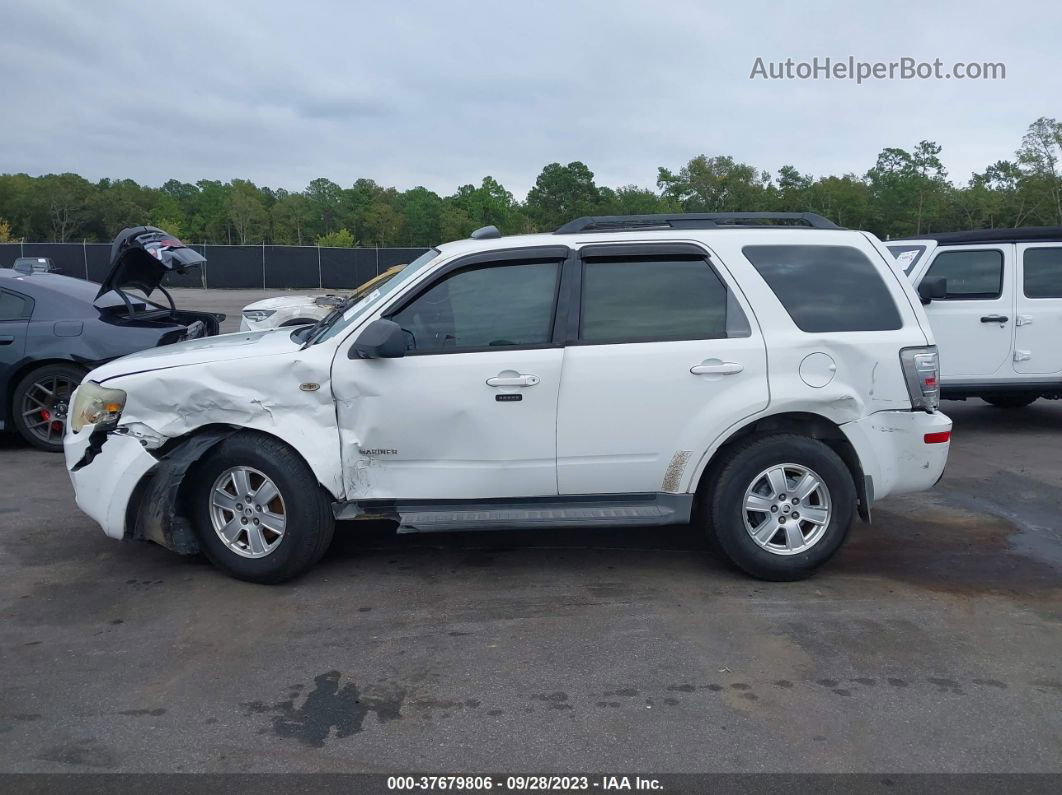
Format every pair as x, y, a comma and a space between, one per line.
96, 405
258, 315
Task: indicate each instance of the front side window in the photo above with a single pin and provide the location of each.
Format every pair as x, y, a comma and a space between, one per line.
826, 288
14, 307
632, 299
482, 307
1043, 272
970, 275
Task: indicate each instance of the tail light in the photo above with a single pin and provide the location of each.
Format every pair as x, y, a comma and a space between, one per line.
921, 368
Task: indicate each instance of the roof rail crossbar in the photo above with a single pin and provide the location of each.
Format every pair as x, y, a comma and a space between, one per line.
624, 223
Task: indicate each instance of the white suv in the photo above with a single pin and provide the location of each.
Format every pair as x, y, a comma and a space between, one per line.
994, 298
766, 376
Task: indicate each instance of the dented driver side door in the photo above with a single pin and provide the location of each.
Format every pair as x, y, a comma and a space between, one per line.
470, 411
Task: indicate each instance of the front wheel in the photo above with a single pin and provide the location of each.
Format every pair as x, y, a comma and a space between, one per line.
781, 506
259, 512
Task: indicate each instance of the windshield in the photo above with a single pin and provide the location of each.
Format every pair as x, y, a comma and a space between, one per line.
349, 311
907, 256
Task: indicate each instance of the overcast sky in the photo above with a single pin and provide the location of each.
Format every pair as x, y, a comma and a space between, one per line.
442, 93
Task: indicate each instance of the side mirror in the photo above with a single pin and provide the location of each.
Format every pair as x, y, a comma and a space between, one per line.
381, 339
932, 289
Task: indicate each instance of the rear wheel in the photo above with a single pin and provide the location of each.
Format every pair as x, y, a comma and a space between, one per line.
781, 506
1016, 401
258, 510
41, 404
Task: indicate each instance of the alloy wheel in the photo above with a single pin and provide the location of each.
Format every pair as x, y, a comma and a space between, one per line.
247, 512
787, 509
45, 407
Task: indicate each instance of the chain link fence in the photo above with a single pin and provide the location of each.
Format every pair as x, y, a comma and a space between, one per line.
262, 267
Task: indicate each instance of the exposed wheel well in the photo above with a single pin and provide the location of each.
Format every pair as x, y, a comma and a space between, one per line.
173, 443
813, 426
166, 487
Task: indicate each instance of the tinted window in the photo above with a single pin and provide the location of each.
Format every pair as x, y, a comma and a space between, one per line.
13, 307
907, 256
483, 307
1043, 272
826, 288
646, 298
970, 274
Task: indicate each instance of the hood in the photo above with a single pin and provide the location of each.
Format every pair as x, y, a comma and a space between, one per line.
282, 302
142, 255
225, 347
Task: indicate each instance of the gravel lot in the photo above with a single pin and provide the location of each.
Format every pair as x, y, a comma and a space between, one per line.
933, 642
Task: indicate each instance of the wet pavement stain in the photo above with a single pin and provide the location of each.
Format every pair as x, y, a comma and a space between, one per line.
329, 706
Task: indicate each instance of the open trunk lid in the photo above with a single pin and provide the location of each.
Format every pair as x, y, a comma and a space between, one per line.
141, 256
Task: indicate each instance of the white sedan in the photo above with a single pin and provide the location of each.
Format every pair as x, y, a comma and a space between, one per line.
298, 310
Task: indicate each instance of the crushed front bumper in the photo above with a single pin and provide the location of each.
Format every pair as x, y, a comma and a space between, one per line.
132, 492
105, 469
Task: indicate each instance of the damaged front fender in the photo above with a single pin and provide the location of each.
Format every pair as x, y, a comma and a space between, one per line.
154, 503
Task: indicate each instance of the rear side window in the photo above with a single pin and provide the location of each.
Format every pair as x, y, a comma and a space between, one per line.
826, 288
971, 275
642, 299
14, 307
494, 306
1043, 272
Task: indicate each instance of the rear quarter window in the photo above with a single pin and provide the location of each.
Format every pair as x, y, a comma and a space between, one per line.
907, 256
826, 288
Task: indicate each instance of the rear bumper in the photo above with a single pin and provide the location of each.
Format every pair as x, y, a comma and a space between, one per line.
105, 477
899, 450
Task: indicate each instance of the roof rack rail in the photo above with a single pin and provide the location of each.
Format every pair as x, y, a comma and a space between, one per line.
625, 223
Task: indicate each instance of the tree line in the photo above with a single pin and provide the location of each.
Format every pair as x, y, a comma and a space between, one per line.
906, 192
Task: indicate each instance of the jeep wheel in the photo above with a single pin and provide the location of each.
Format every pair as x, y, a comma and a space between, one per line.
259, 512
781, 506
41, 402
1017, 401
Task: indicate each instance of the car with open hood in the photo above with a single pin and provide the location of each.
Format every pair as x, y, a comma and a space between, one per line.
55, 328
767, 376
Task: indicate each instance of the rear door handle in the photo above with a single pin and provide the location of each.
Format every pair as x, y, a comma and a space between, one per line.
721, 368
520, 379
995, 319
6, 339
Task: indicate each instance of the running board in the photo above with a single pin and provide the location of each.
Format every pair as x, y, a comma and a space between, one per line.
446, 516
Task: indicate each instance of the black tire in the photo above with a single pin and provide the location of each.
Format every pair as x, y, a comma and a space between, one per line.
740, 469
44, 429
306, 506
299, 321
1016, 401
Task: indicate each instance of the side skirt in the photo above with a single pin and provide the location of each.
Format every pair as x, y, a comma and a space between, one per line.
586, 510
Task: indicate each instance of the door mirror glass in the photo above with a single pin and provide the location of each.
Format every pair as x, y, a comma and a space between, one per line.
381, 339
933, 289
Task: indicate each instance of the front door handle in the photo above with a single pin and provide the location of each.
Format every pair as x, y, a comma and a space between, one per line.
717, 368
6, 339
995, 319
511, 378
